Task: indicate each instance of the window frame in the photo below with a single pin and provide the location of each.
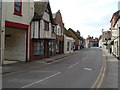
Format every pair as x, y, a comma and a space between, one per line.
46, 25
38, 48
18, 13
68, 46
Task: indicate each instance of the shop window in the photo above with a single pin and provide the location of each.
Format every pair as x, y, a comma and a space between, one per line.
51, 46
39, 48
57, 46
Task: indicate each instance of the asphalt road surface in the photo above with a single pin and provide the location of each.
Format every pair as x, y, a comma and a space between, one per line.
76, 71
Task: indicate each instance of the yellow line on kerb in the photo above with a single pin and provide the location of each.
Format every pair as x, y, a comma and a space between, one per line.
100, 78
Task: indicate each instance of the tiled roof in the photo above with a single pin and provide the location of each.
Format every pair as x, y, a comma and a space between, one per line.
66, 32
39, 8
75, 33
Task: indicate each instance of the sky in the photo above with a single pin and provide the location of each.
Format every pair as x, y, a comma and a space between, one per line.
87, 16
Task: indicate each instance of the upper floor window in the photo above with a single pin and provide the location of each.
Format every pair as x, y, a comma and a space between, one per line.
18, 7
46, 26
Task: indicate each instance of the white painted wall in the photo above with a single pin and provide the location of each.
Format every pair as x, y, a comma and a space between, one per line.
15, 45
59, 30
44, 33
100, 43
71, 41
46, 16
27, 12
34, 29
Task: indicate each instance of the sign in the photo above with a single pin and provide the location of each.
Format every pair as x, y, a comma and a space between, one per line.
114, 33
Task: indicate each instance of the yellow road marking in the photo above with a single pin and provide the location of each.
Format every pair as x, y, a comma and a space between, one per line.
100, 78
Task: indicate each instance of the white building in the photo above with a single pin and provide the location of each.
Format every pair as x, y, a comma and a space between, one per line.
68, 42
16, 20
115, 29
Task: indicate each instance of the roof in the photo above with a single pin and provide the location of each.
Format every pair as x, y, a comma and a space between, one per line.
66, 32
79, 37
39, 9
116, 13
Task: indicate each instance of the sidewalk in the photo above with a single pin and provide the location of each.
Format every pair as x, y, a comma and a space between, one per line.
111, 77
19, 66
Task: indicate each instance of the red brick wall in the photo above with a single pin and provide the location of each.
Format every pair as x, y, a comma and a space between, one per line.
58, 20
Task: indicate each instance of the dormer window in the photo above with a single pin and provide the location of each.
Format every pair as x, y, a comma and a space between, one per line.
18, 7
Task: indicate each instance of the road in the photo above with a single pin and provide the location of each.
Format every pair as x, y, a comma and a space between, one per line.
80, 70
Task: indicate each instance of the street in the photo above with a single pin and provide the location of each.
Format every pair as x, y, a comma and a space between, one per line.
80, 70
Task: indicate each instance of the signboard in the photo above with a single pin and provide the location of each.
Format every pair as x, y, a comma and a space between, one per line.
114, 33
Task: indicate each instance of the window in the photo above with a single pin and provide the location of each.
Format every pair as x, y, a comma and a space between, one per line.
39, 48
51, 46
35, 29
68, 44
46, 26
57, 46
53, 27
18, 7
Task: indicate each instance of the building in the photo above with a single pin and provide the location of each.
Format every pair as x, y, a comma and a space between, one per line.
68, 42
16, 20
76, 36
91, 42
106, 37
115, 35
100, 41
59, 32
43, 38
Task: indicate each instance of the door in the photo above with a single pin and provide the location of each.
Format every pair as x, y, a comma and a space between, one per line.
51, 47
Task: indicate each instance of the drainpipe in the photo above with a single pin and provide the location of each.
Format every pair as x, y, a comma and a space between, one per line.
2, 33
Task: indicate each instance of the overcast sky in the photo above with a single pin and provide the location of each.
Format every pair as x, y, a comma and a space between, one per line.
87, 16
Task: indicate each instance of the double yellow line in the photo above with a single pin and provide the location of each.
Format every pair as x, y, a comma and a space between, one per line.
100, 78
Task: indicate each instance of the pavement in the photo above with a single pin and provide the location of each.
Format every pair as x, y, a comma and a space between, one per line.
111, 77
18, 66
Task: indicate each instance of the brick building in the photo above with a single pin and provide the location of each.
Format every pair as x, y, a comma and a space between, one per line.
91, 42
59, 32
